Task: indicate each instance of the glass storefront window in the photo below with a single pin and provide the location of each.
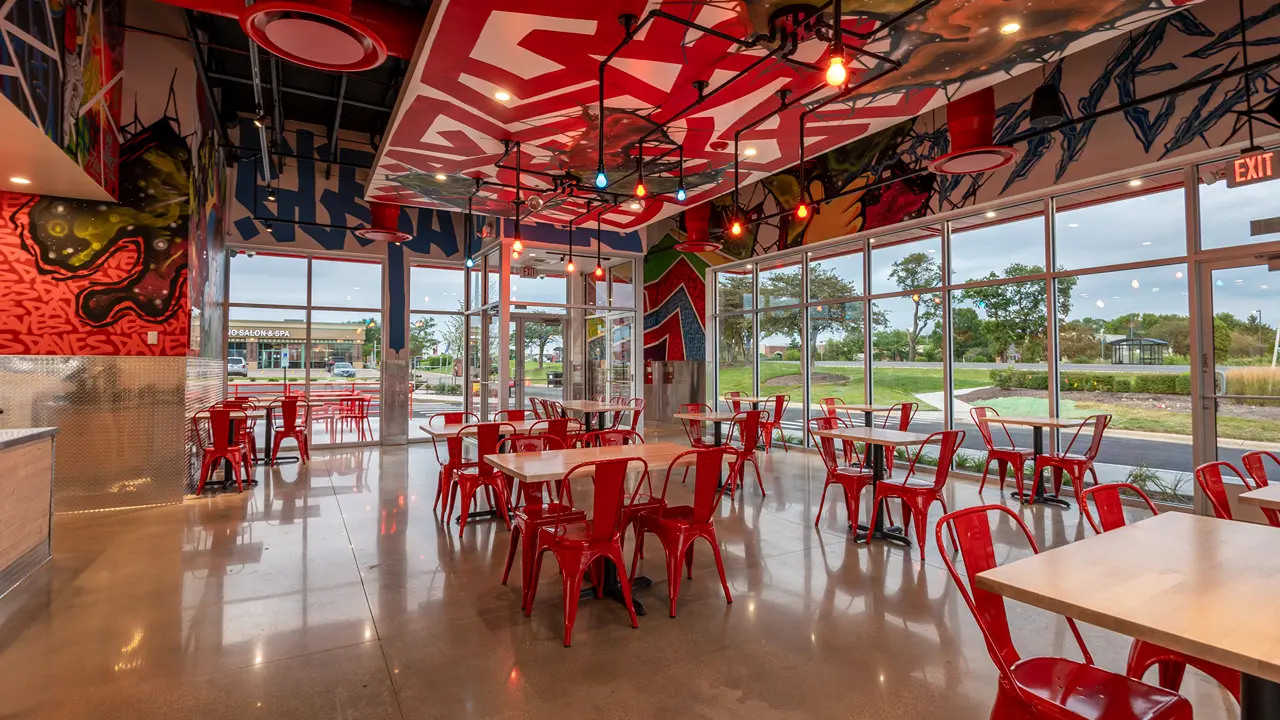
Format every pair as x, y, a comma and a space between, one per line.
906, 351
1142, 219
997, 244
907, 260
780, 282
836, 352
435, 288
265, 279
836, 273
346, 284
1227, 214
733, 289
735, 355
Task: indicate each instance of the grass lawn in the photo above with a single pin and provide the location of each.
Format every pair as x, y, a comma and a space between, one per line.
891, 385
1139, 419
533, 372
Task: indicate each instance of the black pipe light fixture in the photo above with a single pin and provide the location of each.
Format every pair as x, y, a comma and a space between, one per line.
681, 194
271, 194
640, 189
1047, 108
599, 272
470, 233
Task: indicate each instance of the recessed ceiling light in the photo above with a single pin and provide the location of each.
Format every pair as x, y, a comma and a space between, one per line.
441, 177
1135, 183
1073, 224
932, 250
19, 180
1010, 28
502, 96
1147, 242
749, 152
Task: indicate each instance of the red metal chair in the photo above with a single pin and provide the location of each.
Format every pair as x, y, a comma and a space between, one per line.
638, 404
534, 513
612, 438
678, 526
219, 437
1042, 687
918, 496
1075, 466
851, 480
566, 430
580, 546
1255, 464
293, 424
469, 477
1170, 664
695, 429
906, 412
829, 407
247, 430
1002, 455
453, 446
735, 406
747, 424
536, 405
354, 412
774, 424
510, 415
1209, 478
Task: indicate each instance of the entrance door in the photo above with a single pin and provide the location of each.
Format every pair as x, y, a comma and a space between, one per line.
1245, 402
538, 366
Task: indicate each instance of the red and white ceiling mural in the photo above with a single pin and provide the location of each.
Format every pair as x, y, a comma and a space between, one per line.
527, 71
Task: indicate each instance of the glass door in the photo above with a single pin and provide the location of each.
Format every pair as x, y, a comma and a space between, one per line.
537, 369
1245, 307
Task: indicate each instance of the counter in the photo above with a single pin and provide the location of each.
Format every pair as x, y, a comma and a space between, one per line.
26, 502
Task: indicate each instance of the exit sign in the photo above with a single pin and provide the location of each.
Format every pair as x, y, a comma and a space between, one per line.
1250, 169
527, 271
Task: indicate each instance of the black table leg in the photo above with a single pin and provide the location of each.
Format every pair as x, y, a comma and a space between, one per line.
1259, 698
717, 438
613, 587
866, 418
880, 531
1039, 495
270, 437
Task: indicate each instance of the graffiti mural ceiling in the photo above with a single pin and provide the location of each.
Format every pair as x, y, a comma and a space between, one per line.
492, 70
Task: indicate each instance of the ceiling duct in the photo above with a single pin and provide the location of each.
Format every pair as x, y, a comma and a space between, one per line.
971, 121
385, 226
697, 235
334, 35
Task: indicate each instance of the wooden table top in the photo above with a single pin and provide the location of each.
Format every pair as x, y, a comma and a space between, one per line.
450, 430
706, 417
549, 465
747, 399
1045, 422
594, 406
1203, 586
1267, 496
874, 436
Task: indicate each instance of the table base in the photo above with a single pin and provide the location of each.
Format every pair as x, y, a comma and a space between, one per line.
613, 588
288, 460
477, 515
893, 534
1039, 498
1259, 698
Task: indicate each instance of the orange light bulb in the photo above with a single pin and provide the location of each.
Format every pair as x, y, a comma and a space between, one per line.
517, 246
736, 228
569, 267
802, 211
836, 73
640, 191
599, 271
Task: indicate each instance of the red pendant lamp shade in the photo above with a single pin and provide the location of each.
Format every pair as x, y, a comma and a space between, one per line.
385, 224
971, 121
697, 237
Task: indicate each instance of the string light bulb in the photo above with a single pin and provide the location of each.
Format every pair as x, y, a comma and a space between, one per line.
602, 180
680, 191
599, 242
640, 189
802, 211
736, 228
681, 194
836, 73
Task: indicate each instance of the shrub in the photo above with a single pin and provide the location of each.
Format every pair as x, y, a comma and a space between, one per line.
1183, 384
1001, 379
1122, 384
1157, 384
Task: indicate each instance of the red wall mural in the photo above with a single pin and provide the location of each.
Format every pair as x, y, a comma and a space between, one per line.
90, 278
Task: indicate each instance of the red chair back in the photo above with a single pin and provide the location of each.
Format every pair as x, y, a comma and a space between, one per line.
827, 446
536, 404
780, 403
734, 405
949, 442
906, 412
1107, 512
529, 443
487, 437
638, 404
707, 471
613, 438
971, 529
452, 418
693, 428
609, 489
748, 423
219, 425
1255, 464
829, 405
1098, 423
509, 415
978, 414
557, 428
289, 415
1209, 478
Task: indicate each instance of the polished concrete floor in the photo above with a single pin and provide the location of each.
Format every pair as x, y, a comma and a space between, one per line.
333, 591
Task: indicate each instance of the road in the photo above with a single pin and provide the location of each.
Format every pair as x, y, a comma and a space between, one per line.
1064, 367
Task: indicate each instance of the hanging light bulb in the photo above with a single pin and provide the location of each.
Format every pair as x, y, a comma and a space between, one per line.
681, 194
836, 73
640, 191
736, 228
517, 246
471, 262
271, 194
599, 272
602, 180
569, 266
802, 211
515, 254
680, 191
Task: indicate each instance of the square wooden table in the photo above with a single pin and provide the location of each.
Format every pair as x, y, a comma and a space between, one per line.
877, 439
867, 410
716, 418
1038, 424
595, 407
1196, 584
1267, 497
754, 400
452, 429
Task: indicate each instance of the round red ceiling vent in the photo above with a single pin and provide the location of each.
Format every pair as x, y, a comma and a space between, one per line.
386, 217
313, 35
698, 246
970, 122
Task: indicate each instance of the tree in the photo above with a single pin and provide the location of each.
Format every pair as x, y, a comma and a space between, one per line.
539, 334
453, 334
1078, 341
893, 344
422, 336
918, 270
735, 330
1015, 311
372, 338
784, 289
966, 336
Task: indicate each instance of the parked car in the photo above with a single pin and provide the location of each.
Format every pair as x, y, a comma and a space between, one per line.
237, 367
343, 369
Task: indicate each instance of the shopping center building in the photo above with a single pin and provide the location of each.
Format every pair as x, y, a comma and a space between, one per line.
265, 343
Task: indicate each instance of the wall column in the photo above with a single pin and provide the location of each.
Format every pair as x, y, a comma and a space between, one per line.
397, 380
